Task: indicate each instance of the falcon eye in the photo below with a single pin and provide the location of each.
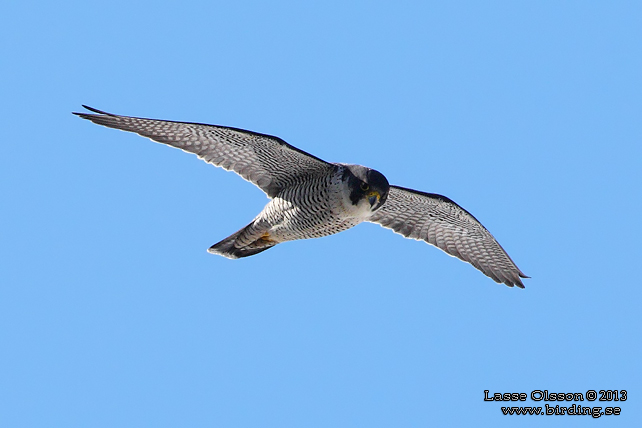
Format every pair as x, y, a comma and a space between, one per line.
364, 186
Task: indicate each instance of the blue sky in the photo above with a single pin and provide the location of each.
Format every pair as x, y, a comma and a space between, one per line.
113, 313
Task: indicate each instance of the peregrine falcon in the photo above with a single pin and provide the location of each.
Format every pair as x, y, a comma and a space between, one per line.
311, 198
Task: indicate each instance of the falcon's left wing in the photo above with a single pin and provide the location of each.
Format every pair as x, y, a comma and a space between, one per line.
441, 222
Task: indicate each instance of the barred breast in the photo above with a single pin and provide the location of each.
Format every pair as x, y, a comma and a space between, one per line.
310, 209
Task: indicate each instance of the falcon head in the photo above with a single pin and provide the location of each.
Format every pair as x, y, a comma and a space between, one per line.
368, 188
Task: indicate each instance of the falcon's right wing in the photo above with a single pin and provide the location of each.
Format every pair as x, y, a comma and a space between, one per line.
441, 222
267, 161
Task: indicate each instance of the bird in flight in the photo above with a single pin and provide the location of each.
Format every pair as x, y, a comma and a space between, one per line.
311, 198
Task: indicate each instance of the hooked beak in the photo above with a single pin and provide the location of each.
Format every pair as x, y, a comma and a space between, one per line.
373, 197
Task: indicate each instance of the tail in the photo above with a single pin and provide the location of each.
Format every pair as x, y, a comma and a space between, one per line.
232, 249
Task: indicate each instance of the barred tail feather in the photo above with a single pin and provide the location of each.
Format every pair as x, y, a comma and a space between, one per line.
227, 247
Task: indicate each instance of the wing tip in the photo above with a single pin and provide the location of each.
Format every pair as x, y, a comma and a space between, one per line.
93, 110
518, 282
510, 280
